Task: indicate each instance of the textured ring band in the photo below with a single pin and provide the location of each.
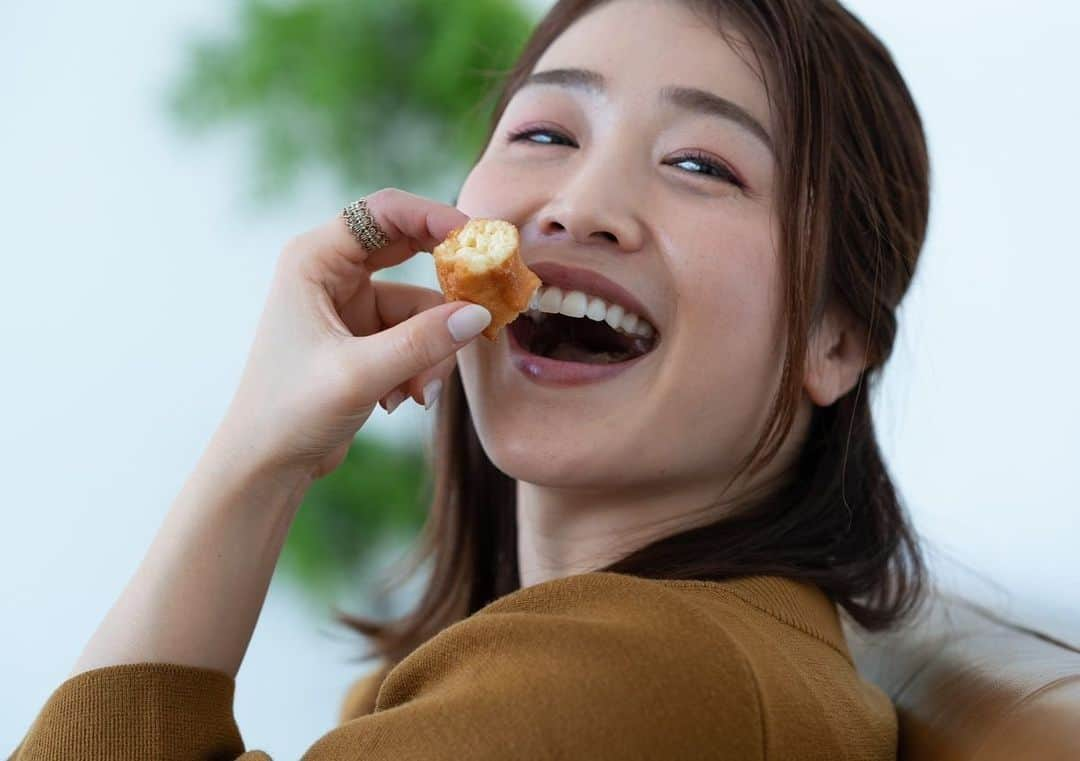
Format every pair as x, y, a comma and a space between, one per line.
363, 226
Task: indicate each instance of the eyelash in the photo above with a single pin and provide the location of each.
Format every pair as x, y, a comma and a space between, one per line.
722, 173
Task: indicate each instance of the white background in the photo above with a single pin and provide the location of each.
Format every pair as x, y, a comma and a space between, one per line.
133, 273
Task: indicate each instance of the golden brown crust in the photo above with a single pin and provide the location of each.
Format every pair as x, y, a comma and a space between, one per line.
504, 289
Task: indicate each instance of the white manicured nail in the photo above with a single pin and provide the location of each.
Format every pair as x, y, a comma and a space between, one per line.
431, 393
467, 322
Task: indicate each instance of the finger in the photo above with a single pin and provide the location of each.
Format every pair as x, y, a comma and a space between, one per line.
384, 360
411, 222
335, 258
385, 304
393, 400
424, 388
388, 304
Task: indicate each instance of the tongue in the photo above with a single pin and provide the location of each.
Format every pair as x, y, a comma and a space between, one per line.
569, 352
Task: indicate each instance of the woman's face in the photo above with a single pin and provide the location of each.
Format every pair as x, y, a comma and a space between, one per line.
672, 199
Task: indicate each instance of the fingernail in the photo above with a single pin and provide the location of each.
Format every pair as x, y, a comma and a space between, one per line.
467, 322
394, 400
431, 393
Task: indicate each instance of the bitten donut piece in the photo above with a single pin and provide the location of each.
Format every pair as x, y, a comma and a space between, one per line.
481, 262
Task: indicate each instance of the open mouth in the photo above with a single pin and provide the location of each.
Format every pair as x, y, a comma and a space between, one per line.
578, 339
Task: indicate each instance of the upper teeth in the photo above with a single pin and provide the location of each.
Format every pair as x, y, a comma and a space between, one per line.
553, 300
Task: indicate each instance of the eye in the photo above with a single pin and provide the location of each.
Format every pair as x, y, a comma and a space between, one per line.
712, 168
705, 164
547, 134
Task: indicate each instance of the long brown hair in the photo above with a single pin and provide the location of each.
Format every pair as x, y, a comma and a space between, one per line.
853, 194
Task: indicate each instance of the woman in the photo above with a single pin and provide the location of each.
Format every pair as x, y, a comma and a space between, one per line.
644, 559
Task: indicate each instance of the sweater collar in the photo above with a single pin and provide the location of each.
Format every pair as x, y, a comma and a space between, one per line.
796, 603
799, 604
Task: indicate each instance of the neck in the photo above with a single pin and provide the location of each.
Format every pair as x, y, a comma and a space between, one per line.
562, 531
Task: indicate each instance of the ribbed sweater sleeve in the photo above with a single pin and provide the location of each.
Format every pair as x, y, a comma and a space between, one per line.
137, 712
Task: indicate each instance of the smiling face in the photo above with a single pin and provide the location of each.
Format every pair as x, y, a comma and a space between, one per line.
673, 202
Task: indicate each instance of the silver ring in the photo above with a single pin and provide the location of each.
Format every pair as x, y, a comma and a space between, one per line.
363, 226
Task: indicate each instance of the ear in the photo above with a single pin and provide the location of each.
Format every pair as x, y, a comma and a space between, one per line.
835, 354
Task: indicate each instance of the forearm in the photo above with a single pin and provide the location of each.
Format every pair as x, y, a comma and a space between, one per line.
197, 594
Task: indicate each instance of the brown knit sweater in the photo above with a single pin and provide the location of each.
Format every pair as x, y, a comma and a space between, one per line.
597, 666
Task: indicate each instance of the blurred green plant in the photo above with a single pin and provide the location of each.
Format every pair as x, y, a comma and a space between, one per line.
377, 497
380, 93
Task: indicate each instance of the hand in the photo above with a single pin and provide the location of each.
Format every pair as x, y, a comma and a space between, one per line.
331, 342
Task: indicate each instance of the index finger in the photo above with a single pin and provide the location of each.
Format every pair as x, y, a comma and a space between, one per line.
412, 223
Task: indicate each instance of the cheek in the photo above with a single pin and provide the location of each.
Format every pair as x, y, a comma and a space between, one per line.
730, 293
730, 349
486, 190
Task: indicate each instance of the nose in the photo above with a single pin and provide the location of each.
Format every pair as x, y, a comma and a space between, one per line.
595, 206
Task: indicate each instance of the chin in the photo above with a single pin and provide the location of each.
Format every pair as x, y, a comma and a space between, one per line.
533, 447
545, 460
560, 437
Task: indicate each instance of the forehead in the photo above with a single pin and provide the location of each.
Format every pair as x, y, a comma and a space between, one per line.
641, 46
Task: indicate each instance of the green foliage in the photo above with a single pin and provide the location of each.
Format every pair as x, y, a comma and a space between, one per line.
380, 92
378, 495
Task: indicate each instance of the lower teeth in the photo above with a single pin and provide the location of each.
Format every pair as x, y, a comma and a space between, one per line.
573, 353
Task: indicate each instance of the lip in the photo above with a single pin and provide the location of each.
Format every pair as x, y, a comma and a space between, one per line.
556, 372
592, 283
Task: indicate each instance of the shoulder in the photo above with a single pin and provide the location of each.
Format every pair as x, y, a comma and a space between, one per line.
612, 666
641, 625
603, 660
611, 628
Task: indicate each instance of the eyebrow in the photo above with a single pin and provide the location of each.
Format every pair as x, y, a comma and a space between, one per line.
686, 98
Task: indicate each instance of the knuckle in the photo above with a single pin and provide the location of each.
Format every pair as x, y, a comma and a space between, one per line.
413, 349
391, 198
295, 249
383, 196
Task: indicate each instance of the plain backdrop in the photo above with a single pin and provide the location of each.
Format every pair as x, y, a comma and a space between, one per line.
133, 273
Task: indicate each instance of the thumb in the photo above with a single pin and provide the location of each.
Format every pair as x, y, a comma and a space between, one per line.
389, 358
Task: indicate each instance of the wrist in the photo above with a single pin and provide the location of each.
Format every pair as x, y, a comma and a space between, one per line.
232, 462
